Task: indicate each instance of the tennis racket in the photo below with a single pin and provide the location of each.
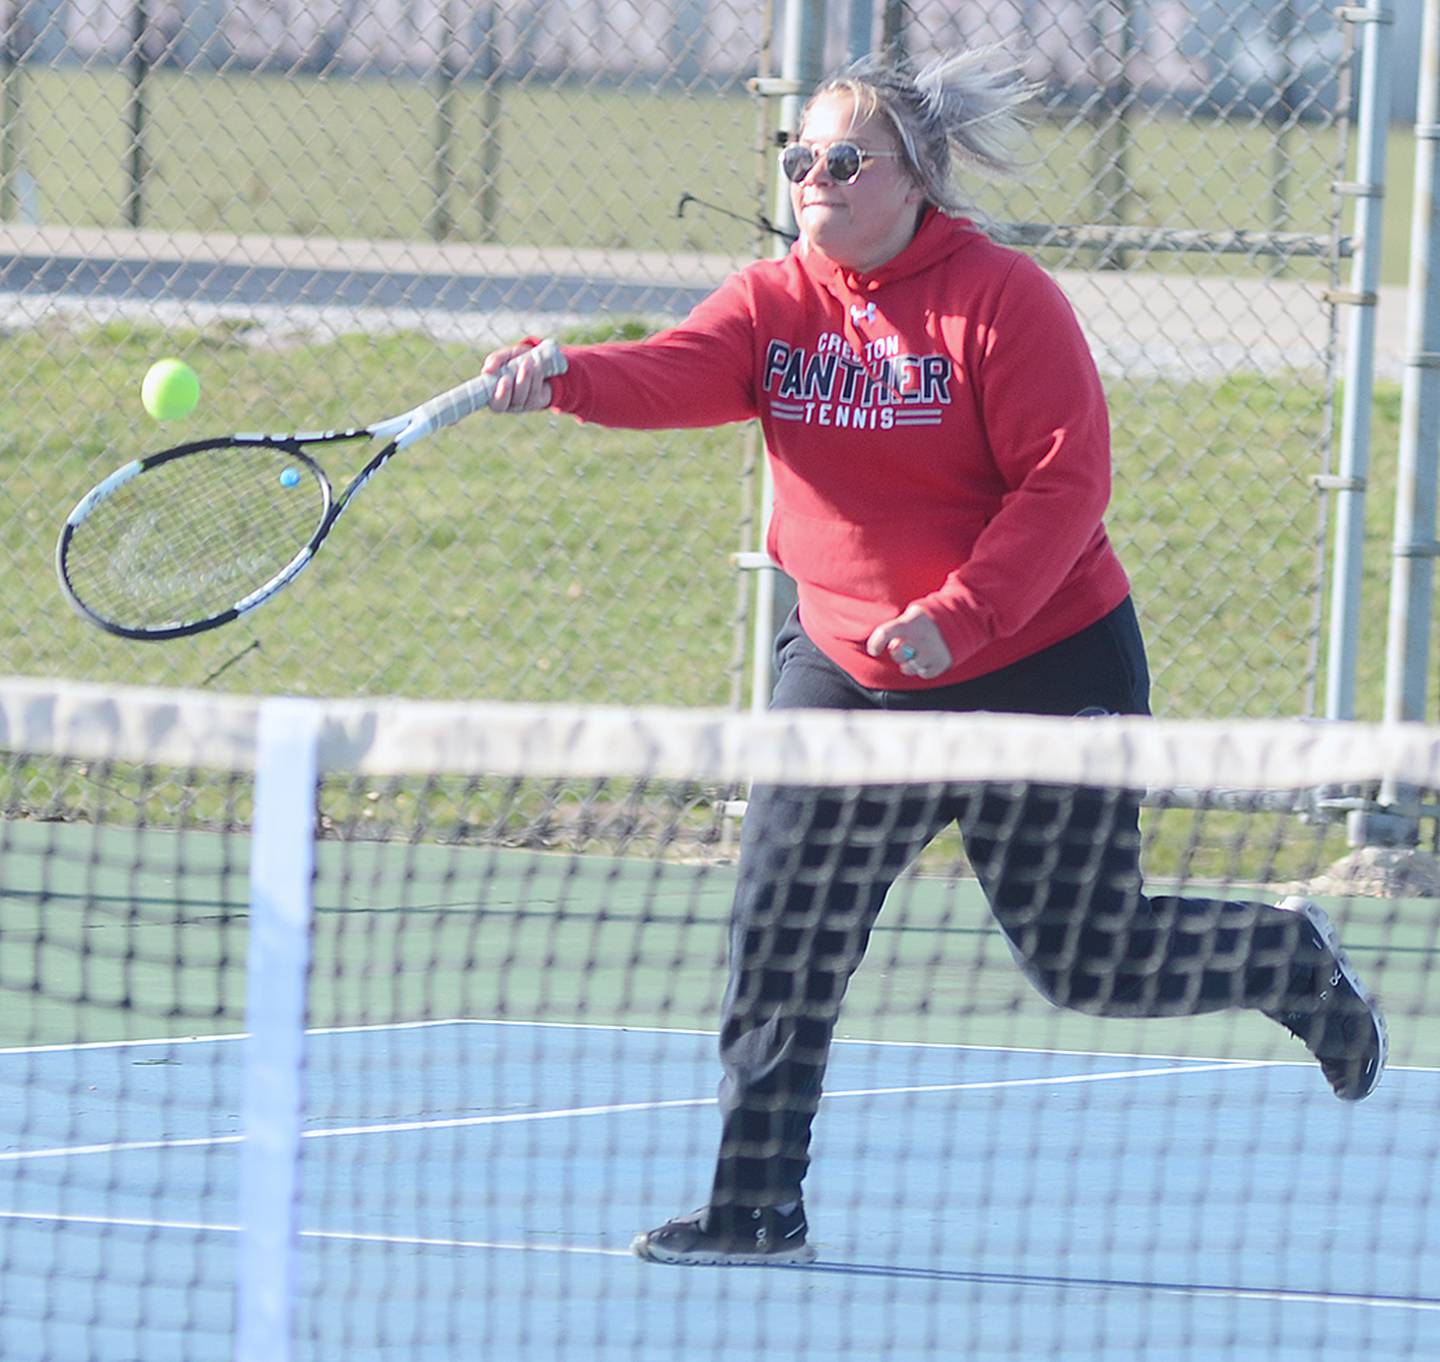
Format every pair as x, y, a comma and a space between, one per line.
196, 536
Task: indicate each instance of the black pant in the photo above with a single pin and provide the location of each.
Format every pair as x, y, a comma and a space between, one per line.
1060, 866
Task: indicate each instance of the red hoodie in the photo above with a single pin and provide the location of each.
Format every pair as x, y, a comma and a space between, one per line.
937, 432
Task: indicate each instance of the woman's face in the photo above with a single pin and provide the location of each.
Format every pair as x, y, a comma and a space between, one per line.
863, 224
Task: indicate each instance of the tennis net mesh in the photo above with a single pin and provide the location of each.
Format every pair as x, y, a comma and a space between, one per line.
379, 1030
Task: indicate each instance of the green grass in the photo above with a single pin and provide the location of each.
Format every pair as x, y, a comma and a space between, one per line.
538, 559
522, 559
541, 561
353, 158
593, 166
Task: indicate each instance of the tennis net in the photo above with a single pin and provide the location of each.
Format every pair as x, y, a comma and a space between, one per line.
379, 1030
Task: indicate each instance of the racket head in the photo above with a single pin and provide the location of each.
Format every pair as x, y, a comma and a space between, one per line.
190, 538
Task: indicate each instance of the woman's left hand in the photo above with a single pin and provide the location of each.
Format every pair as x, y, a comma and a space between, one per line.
913, 643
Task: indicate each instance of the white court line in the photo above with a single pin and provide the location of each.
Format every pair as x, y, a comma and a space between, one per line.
226, 1036
612, 1027
206, 1227
610, 1109
1282, 1297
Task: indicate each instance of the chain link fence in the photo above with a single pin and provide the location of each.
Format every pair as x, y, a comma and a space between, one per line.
334, 210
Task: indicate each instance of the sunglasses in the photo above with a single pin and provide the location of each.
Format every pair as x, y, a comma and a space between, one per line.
843, 161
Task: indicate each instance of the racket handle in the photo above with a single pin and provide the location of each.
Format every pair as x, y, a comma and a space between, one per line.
470, 396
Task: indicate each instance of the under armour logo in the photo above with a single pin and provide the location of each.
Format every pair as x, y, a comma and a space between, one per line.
865, 313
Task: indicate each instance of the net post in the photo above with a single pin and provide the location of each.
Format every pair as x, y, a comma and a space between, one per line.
282, 859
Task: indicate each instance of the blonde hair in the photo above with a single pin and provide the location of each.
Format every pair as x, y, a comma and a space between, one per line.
958, 112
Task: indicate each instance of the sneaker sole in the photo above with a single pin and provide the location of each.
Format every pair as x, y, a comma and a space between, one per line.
1320, 920
641, 1247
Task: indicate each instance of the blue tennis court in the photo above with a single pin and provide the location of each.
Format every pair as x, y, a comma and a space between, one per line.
470, 1189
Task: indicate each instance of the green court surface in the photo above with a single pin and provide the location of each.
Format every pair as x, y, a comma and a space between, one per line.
112, 934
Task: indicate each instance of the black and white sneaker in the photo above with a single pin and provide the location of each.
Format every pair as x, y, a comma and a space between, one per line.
1341, 1024
729, 1236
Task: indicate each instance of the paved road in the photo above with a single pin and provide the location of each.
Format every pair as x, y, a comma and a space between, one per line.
291, 288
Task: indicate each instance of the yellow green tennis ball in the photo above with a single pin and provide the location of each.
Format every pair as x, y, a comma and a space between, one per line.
170, 390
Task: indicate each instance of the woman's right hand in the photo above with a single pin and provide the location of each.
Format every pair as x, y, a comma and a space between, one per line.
525, 388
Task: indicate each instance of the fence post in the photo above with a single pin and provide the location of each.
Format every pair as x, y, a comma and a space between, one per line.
1114, 52
1281, 115
12, 110
139, 74
892, 30
1414, 548
860, 29
1354, 466
802, 58
491, 75
441, 222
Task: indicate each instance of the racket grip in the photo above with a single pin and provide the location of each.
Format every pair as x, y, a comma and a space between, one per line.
470, 396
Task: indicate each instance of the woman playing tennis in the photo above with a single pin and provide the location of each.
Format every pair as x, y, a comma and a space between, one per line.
940, 446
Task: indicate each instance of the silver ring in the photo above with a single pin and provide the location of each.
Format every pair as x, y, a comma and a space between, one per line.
905, 653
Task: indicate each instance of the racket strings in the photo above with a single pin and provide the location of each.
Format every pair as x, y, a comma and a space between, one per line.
190, 538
